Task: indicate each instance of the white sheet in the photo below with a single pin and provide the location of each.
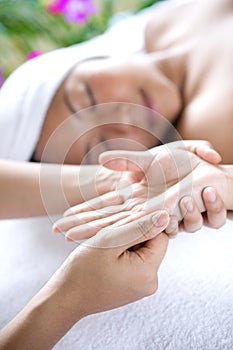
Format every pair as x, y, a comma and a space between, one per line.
193, 308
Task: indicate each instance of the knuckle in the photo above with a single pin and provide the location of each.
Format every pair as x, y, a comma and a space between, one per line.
193, 226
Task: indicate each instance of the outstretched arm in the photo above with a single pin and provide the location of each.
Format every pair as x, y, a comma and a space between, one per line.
33, 189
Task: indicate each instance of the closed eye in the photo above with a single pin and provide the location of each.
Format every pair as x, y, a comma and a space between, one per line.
105, 144
90, 95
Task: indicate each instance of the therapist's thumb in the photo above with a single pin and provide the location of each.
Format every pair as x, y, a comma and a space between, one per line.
126, 160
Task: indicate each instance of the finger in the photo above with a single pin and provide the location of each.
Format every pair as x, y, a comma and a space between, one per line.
87, 230
204, 150
66, 223
126, 160
173, 227
192, 218
106, 200
215, 207
126, 236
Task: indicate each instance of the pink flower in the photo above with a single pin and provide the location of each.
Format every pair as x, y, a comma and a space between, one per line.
33, 54
1, 77
74, 10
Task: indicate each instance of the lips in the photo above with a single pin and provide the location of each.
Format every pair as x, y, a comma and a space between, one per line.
148, 102
152, 109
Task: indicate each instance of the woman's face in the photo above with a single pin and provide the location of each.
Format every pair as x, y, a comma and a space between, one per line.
143, 90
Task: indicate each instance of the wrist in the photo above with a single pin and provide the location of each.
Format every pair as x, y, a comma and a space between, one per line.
81, 183
78, 183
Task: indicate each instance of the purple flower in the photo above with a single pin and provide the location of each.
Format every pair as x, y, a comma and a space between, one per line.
33, 54
1, 77
74, 10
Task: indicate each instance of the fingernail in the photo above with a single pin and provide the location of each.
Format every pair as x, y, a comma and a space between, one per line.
210, 195
160, 219
55, 229
69, 239
188, 203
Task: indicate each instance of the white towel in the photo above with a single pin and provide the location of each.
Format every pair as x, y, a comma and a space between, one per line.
192, 309
26, 95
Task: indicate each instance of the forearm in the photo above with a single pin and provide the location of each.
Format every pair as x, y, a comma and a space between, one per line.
41, 324
33, 189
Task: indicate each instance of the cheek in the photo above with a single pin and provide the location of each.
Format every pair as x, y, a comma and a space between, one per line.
116, 87
77, 153
144, 138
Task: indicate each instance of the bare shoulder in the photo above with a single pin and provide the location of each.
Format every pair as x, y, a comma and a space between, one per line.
209, 116
167, 25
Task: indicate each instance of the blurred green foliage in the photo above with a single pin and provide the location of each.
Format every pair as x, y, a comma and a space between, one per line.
27, 25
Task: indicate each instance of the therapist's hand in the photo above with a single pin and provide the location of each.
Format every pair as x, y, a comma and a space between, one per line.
116, 266
113, 268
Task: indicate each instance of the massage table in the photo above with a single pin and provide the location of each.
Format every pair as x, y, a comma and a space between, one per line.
192, 309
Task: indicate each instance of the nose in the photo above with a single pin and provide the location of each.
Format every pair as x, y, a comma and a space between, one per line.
118, 130
128, 137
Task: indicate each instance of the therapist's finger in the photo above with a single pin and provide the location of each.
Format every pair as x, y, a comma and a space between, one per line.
215, 207
173, 227
112, 199
192, 218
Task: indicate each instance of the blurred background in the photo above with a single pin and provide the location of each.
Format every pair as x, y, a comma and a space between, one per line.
29, 28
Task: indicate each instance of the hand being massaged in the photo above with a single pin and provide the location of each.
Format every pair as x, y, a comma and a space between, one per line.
173, 177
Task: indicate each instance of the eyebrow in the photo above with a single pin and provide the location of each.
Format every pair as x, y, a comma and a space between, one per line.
88, 89
87, 154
